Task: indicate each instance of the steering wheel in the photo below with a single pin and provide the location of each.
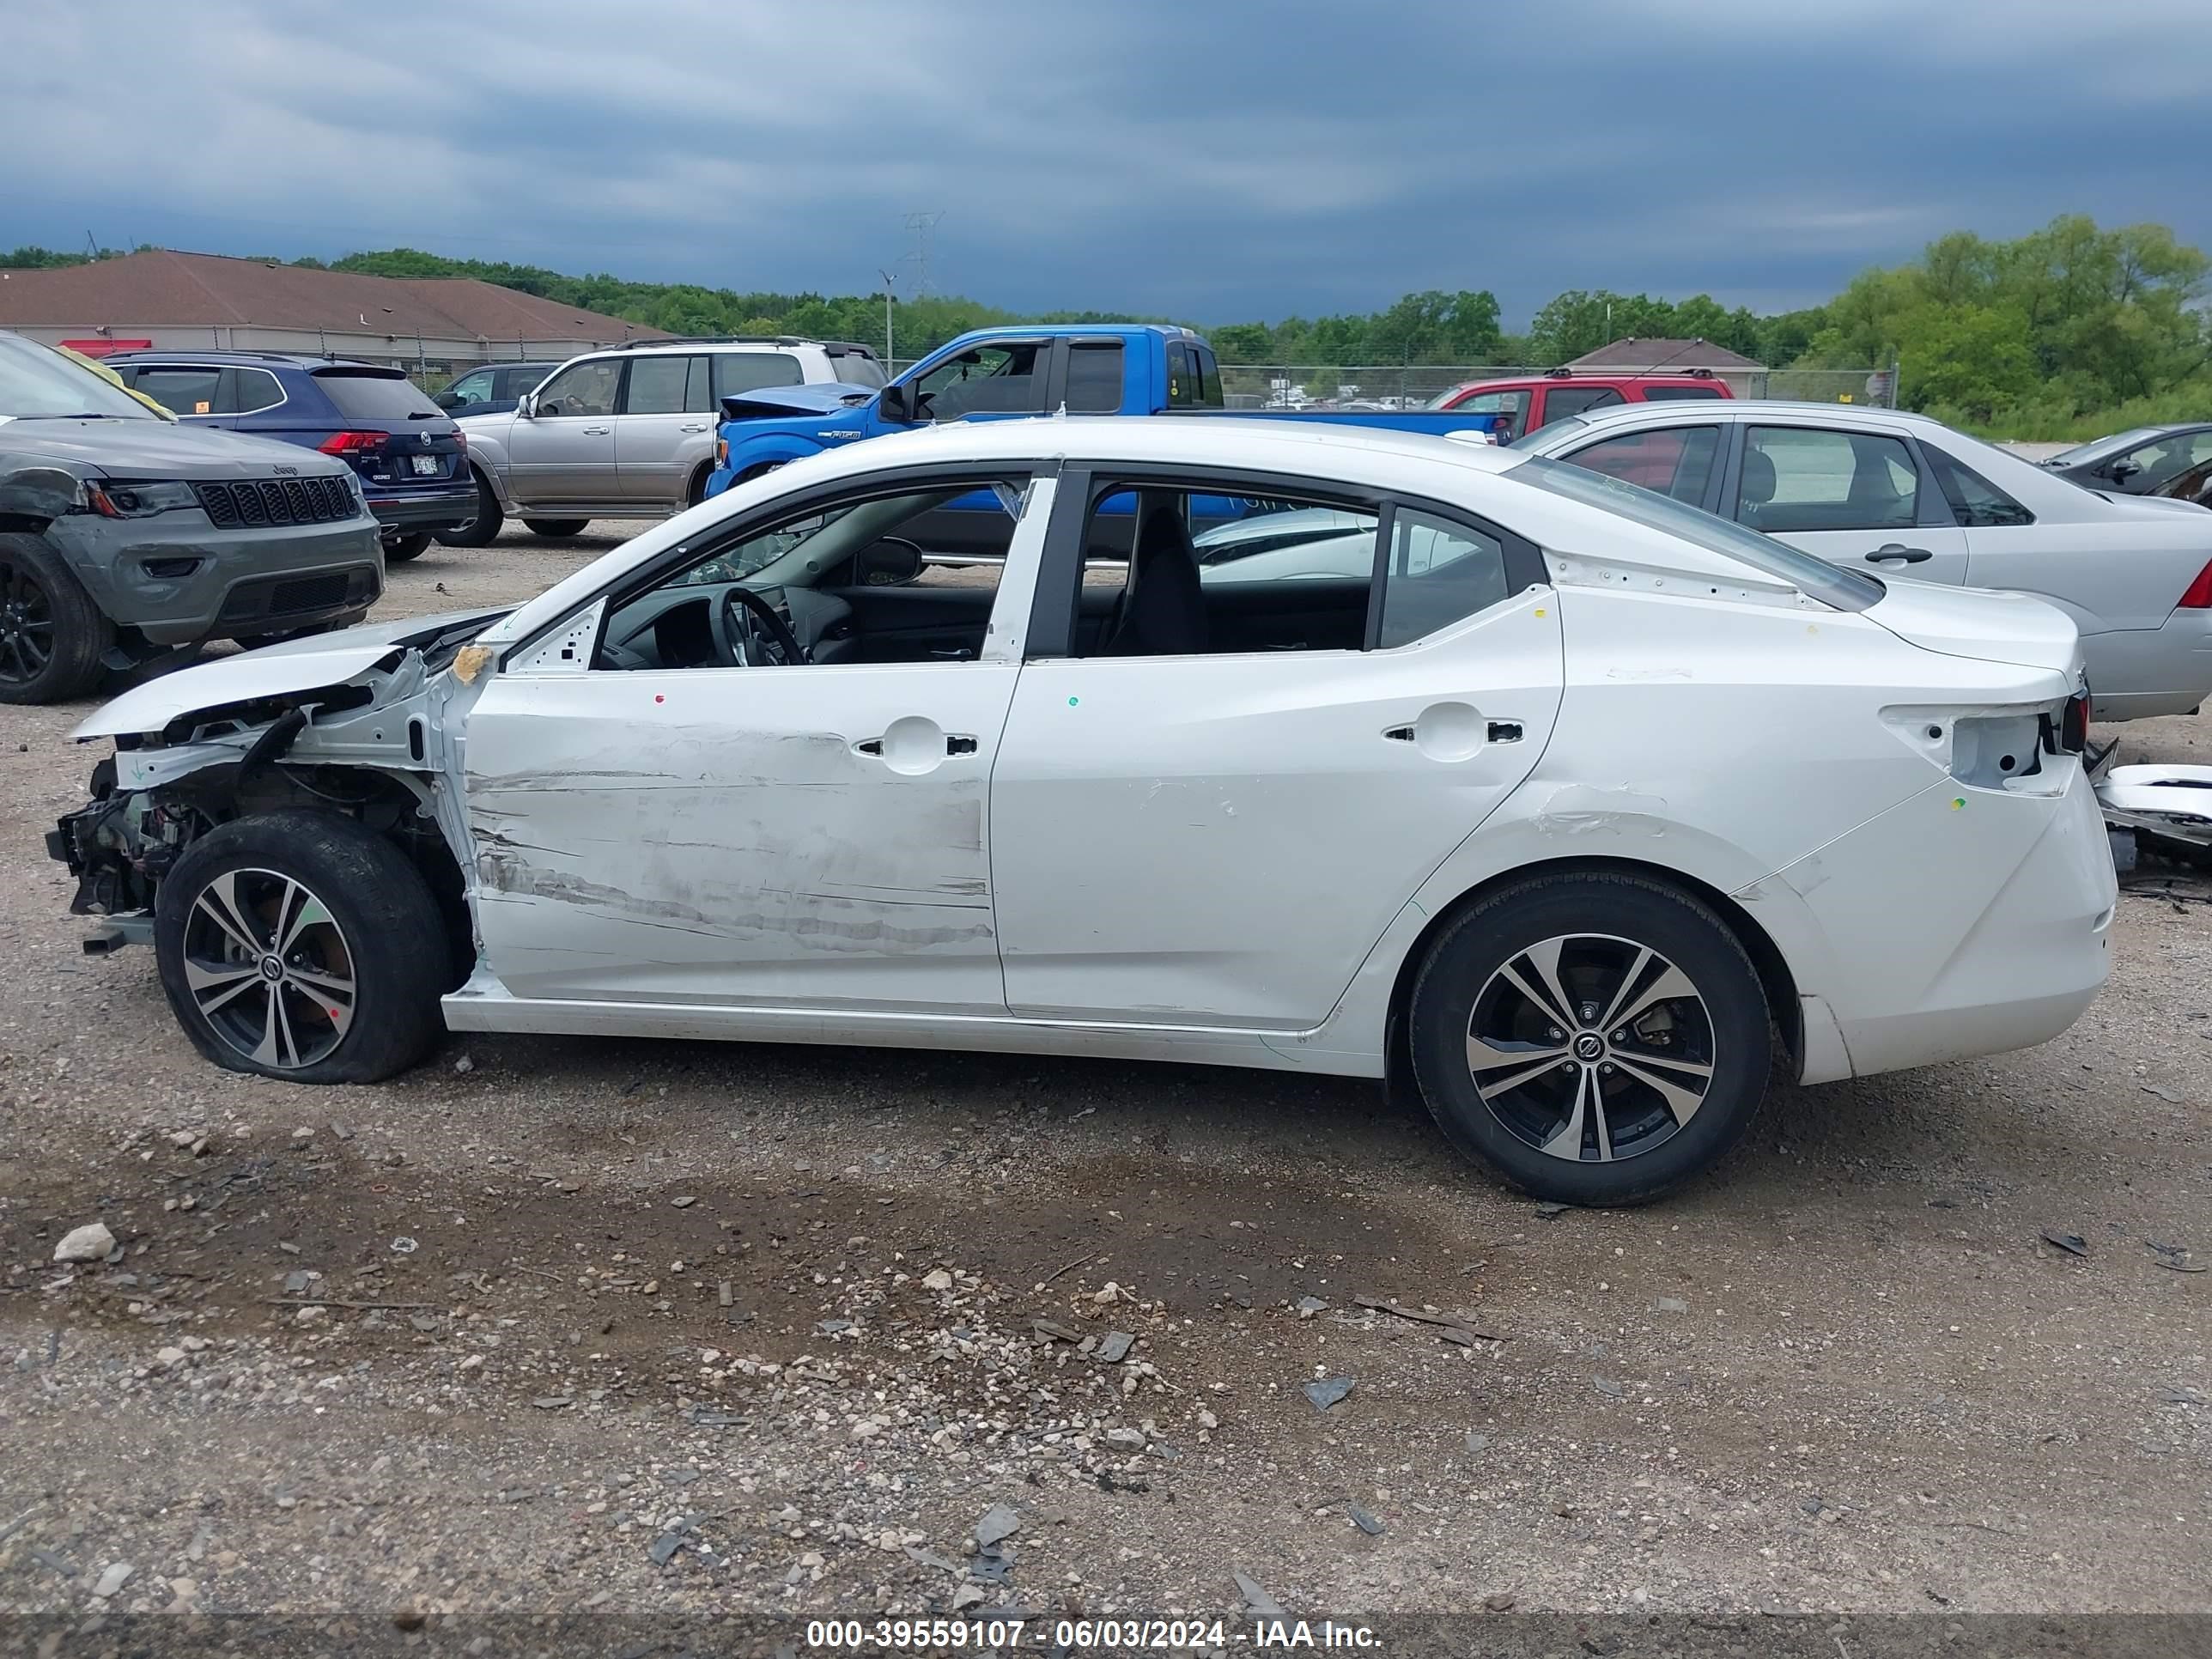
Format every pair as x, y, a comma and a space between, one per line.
735, 631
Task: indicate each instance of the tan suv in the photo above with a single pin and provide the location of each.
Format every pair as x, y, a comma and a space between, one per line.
629, 433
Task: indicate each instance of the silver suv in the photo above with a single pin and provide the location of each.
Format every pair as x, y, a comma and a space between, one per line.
629, 433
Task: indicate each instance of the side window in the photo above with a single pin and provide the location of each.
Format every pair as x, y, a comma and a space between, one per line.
514, 383
1003, 378
1438, 573
1182, 391
183, 389
252, 390
1172, 571
1677, 394
473, 388
1975, 501
1209, 376
698, 615
856, 369
1512, 408
1675, 461
657, 385
1094, 377
1561, 401
586, 388
1812, 478
739, 371
2159, 463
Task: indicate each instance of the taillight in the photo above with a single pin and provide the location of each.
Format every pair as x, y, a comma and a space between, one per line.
2198, 595
2074, 725
351, 443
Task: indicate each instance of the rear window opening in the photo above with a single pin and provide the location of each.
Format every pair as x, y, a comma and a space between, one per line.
371, 394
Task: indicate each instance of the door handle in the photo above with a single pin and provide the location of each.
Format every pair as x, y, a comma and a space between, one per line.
1492, 731
597, 431
697, 425
1897, 553
955, 744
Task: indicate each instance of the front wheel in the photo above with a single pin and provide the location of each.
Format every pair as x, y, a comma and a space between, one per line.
1597, 1039
53, 636
556, 529
479, 530
289, 945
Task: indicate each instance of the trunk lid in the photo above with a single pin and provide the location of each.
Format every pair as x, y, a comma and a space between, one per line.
1977, 623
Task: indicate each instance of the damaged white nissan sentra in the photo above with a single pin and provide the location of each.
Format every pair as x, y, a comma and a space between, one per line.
1571, 809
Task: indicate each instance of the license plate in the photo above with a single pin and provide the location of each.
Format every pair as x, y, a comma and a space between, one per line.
425, 466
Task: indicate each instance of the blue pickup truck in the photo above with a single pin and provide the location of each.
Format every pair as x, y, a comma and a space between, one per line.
998, 374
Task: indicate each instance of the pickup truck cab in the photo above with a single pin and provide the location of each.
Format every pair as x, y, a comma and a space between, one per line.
997, 373
1522, 406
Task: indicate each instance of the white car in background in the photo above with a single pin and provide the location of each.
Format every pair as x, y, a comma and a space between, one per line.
1556, 806
1880, 490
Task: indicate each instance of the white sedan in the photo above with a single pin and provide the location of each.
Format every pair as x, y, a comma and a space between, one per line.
1881, 490
1560, 808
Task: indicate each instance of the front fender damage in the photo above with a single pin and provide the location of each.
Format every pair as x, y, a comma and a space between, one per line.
381, 747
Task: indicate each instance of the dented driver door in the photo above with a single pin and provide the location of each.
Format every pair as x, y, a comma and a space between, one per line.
812, 836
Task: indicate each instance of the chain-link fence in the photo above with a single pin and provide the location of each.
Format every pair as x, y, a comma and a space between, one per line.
1416, 385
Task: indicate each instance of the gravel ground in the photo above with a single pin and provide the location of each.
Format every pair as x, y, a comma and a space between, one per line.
556, 1324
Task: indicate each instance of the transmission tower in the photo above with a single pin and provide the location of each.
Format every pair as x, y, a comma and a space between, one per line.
919, 225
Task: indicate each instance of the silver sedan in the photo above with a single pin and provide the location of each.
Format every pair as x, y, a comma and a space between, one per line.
1890, 493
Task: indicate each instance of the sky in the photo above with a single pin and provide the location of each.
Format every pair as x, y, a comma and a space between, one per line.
1216, 161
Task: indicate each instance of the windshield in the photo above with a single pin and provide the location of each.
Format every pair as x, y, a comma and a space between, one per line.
2097, 447
1846, 590
37, 383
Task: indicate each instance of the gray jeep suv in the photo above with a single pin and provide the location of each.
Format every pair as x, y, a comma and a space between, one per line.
110, 549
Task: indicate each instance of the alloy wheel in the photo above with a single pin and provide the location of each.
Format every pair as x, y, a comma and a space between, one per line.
27, 624
269, 968
1590, 1048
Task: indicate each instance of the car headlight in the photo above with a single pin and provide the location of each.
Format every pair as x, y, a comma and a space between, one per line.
116, 498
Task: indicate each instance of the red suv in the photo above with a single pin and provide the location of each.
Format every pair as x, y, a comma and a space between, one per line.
1523, 405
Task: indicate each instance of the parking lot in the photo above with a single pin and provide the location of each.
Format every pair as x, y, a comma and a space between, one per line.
556, 1322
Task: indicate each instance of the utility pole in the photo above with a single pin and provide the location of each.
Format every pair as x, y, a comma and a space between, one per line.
890, 282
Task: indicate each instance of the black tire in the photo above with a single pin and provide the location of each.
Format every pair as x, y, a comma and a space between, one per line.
1467, 1001
53, 636
479, 530
401, 549
556, 529
376, 912
697, 492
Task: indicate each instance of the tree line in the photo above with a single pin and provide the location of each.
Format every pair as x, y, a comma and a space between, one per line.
2068, 331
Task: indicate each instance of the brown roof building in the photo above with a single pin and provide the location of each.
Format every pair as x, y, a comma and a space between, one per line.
1635, 356
176, 301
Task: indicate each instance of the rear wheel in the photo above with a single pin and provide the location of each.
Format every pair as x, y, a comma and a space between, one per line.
479, 530
52, 634
556, 529
400, 549
289, 945
1596, 1039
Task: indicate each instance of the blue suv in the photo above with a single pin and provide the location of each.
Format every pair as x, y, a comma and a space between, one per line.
410, 457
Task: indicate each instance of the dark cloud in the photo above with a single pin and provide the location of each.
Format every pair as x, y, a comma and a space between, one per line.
1211, 161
